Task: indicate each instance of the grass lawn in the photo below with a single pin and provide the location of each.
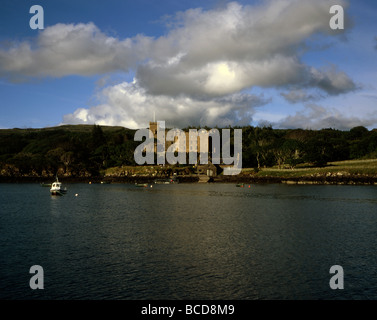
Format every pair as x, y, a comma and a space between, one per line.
363, 167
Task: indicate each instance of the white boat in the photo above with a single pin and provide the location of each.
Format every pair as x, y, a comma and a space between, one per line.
57, 188
166, 181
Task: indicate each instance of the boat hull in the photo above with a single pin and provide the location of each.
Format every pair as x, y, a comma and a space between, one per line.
165, 181
58, 192
141, 185
46, 185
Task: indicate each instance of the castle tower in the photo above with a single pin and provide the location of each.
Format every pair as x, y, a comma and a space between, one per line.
153, 127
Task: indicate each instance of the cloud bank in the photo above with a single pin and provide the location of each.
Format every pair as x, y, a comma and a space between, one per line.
70, 49
316, 117
201, 72
129, 105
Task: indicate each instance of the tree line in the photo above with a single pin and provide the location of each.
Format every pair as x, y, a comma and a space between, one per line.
267, 147
86, 150
73, 150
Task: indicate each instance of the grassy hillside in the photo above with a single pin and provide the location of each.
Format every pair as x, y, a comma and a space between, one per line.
339, 168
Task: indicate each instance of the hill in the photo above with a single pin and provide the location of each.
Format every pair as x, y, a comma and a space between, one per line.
89, 151
69, 150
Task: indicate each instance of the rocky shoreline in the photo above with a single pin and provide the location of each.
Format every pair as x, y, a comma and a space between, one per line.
317, 179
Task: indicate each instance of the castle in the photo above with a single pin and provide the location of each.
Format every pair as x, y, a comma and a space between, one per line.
192, 142
176, 146
191, 145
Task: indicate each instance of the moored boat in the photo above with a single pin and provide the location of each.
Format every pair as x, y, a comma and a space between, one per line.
46, 184
242, 185
57, 188
166, 181
142, 185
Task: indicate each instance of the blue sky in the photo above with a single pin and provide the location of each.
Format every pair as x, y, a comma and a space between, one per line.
189, 62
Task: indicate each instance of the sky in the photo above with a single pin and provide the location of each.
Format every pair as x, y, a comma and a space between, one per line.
188, 63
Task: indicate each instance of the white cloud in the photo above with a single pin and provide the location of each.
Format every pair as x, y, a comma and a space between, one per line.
332, 81
320, 83
195, 74
299, 95
66, 49
317, 117
128, 105
221, 77
223, 51
208, 53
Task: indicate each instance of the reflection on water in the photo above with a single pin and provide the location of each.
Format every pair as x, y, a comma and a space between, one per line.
188, 241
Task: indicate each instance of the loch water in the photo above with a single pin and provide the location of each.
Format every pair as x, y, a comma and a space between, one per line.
188, 241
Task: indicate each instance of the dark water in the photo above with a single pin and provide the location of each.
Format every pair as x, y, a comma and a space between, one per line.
188, 241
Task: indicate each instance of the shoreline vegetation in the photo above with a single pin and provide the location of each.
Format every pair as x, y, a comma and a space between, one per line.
93, 153
351, 172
